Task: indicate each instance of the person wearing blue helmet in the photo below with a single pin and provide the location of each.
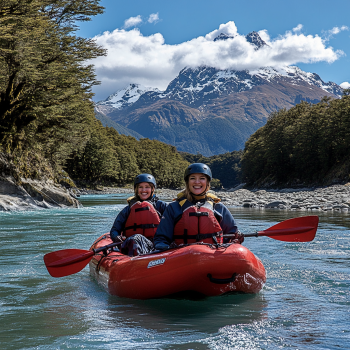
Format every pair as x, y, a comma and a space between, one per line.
139, 220
196, 215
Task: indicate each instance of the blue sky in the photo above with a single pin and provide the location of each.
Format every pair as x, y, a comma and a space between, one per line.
149, 42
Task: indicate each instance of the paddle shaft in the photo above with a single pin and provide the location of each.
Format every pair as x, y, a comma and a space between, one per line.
106, 247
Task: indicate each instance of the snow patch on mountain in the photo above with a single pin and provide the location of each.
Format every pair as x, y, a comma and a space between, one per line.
297, 76
126, 97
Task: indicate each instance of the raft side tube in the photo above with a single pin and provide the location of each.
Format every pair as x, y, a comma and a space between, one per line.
182, 269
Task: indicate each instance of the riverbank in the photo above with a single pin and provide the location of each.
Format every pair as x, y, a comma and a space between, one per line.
45, 194
336, 197
34, 194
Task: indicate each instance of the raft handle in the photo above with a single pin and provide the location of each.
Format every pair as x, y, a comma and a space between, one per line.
221, 280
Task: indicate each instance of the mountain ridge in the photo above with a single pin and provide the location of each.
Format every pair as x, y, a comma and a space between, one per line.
209, 110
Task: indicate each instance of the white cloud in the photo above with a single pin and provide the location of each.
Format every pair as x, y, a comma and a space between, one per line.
132, 21
335, 30
153, 18
148, 60
228, 28
345, 85
298, 28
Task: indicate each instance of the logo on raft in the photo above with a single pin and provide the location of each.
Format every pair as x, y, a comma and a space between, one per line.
156, 262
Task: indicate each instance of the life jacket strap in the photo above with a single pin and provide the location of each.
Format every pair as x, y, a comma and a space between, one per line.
142, 209
198, 237
144, 226
199, 213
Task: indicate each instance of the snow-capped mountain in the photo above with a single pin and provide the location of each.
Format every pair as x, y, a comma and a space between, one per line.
194, 85
123, 98
211, 111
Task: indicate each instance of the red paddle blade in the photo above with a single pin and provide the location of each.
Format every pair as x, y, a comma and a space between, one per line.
302, 229
67, 261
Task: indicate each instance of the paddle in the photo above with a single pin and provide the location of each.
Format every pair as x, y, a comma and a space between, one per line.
69, 261
302, 229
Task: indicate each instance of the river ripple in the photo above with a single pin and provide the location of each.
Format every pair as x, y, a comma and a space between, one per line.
305, 303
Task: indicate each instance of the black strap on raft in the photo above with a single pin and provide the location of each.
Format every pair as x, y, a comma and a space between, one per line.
222, 280
185, 236
143, 226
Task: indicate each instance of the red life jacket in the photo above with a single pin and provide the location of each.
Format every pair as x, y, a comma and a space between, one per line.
197, 224
143, 219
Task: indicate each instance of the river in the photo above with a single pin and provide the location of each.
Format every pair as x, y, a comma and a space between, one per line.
305, 303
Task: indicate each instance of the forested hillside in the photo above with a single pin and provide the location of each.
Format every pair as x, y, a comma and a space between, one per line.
45, 89
112, 158
47, 122
308, 144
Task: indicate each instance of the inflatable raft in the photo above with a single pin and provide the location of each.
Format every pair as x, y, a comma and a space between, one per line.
199, 267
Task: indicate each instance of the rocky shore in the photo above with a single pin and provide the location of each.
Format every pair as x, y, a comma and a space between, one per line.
34, 194
336, 197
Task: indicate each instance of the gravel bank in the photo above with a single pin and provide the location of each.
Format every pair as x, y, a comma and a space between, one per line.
336, 197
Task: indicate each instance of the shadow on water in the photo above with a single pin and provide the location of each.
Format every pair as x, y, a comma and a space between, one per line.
206, 314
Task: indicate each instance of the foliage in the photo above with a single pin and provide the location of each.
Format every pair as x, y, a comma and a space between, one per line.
304, 145
109, 157
45, 84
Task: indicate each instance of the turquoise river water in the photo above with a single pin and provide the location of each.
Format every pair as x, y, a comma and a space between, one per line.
305, 303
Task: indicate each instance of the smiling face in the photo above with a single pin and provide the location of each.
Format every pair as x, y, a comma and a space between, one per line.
197, 183
144, 190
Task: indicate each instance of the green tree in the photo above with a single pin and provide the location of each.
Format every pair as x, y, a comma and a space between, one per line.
45, 85
308, 144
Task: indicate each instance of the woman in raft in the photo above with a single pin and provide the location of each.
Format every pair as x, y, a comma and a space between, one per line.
139, 220
196, 215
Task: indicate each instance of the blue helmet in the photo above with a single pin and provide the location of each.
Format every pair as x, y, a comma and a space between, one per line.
145, 178
198, 168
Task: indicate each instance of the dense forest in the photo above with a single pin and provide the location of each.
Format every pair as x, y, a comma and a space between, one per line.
114, 159
45, 87
47, 122
308, 144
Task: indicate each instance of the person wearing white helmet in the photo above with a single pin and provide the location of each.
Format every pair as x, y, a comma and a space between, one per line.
196, 215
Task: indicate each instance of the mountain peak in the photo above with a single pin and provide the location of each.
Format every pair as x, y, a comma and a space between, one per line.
127, 96
255, 39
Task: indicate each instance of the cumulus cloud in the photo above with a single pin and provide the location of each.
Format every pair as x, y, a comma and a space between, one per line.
228, 28
345, 85
153, 18
148, 60
132, 22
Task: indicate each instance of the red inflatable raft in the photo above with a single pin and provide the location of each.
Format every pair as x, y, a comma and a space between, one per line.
198, 267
